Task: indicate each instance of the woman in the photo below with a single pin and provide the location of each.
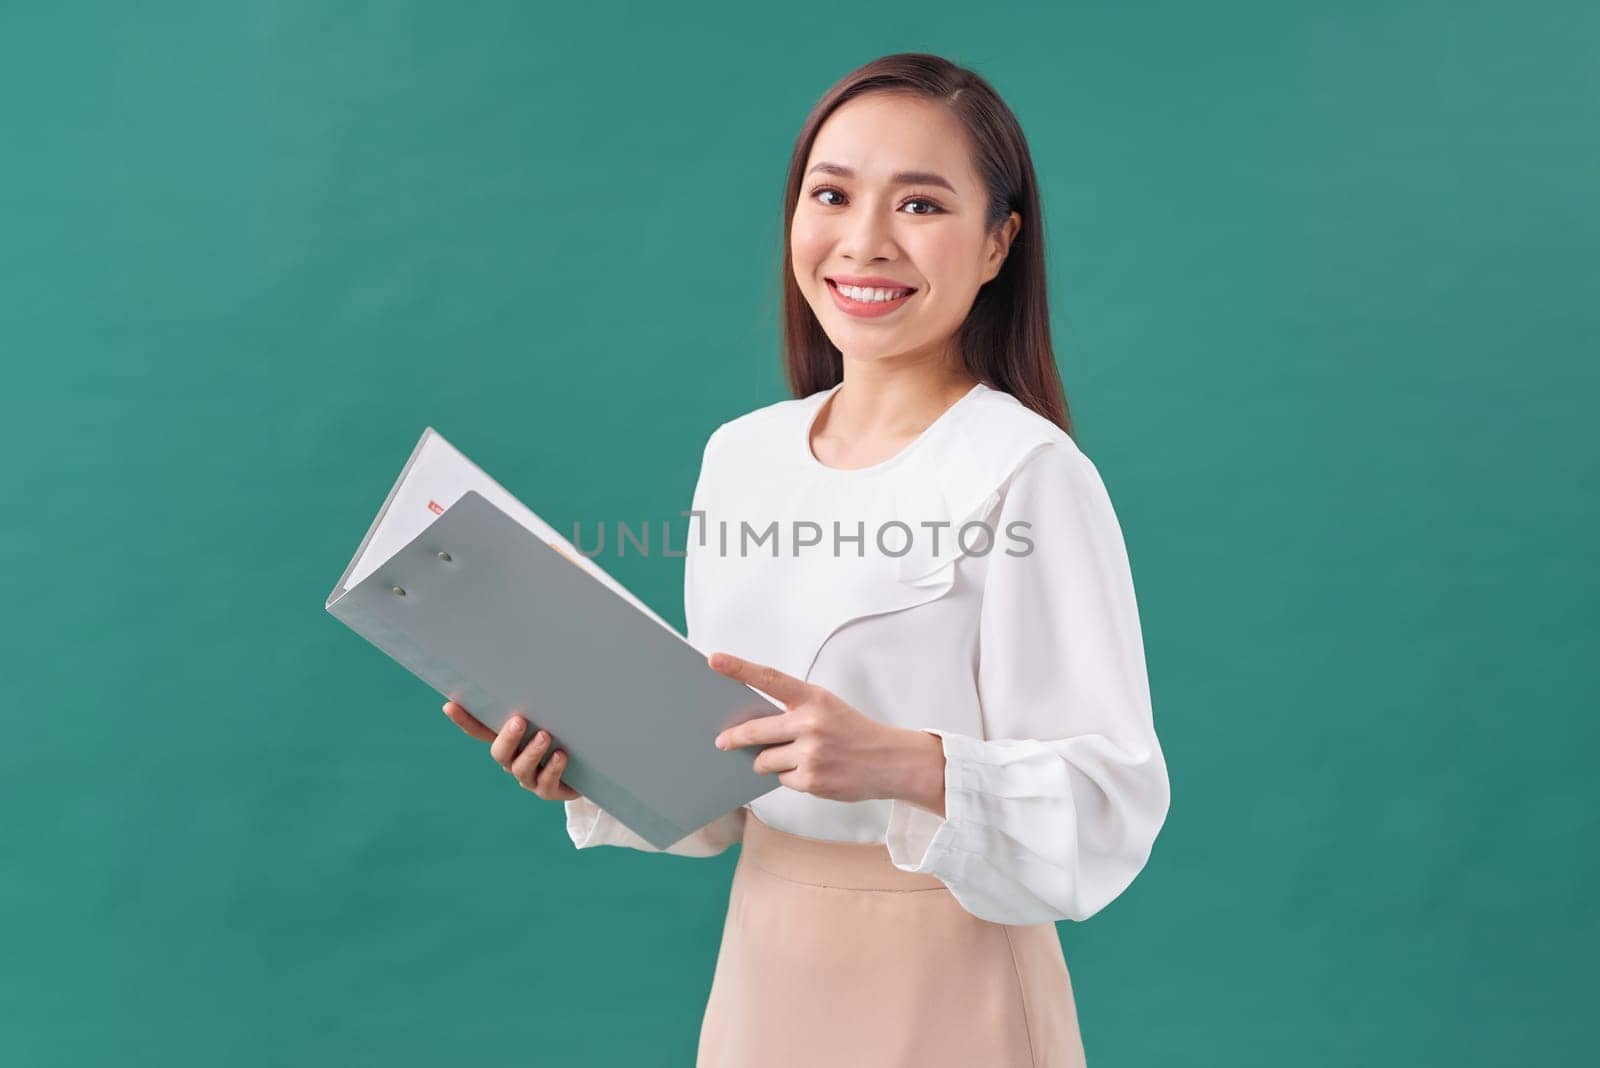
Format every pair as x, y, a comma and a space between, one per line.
938, 594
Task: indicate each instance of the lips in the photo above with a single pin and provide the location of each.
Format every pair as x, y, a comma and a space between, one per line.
860, 309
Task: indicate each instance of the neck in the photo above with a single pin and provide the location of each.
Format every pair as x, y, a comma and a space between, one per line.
877, 402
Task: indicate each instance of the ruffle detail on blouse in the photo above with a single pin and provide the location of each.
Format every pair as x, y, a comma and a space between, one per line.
964, 478
782, 610
956, 479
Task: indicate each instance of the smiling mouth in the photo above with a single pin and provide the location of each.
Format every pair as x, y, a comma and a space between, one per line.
866, 306
869, 294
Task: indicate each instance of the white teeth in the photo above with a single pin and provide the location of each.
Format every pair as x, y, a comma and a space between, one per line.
872, 296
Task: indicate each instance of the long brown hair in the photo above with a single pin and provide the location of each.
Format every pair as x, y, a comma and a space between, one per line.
1005, 340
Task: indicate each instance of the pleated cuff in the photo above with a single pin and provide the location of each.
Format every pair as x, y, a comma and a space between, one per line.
590, 825
582, 815
921, 841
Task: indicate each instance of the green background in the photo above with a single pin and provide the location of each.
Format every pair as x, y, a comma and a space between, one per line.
1325, 297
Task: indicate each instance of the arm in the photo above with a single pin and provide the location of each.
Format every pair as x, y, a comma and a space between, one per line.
590, 825
1053, 814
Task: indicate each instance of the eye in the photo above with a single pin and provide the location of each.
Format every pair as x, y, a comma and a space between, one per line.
932, 205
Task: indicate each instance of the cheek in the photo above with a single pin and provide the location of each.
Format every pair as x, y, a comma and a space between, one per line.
946, 256
948, 260
809, 245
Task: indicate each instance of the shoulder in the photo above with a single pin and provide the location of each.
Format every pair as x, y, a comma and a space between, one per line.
760, 435
1031, 463
762, 424
1001, 445
999, 422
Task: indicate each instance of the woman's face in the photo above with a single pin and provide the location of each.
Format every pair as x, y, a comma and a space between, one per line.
889, 199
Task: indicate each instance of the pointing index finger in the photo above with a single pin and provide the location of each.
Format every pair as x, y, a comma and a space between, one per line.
769, 680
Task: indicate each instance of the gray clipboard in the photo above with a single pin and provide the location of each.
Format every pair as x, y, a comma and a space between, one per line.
492, 617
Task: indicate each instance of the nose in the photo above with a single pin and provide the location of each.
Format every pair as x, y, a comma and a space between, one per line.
867, 235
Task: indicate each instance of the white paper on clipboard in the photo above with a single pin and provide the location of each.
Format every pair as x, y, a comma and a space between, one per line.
436, 477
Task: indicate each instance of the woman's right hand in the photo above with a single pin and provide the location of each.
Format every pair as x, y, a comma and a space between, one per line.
524, 766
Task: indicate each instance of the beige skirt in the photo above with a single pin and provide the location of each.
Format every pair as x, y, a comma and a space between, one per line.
832, 956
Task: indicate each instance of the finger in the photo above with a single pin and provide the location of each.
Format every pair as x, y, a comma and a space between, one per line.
762, 730
525, 766
504, 747
775, 759
468, 722
549, 783
767, 679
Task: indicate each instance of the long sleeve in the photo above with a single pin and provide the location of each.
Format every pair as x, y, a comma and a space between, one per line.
590, 825
1054, 813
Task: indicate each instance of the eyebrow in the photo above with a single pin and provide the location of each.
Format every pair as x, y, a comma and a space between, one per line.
899, 178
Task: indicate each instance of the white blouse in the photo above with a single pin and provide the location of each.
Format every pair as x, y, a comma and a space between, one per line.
975, 585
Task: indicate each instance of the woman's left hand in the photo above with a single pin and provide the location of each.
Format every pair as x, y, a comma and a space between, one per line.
821, 745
